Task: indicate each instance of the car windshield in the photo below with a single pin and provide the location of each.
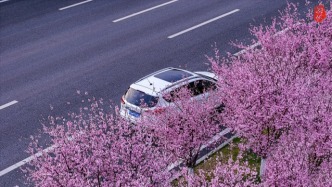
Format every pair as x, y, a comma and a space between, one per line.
139, 98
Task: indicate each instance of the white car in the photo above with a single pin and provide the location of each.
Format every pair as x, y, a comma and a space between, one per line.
146, 94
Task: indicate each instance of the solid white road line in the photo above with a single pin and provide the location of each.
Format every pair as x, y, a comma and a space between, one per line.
258, 43
8, 104
250, 47
143, 11
2, 1
285, 30
173, 165
63, 8
216, 137
215, 150
21, 163
204, 23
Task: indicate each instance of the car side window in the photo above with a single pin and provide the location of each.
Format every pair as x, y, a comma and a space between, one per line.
201, 86
195, 87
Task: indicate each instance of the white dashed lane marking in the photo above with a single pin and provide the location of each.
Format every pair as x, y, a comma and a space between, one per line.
8, 104
143, 11
73, 5
204, 23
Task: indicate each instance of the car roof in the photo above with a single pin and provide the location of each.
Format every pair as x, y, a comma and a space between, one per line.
160, 80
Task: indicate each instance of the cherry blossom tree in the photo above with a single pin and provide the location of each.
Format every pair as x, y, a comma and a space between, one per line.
97, 148
296, 162
278, 97
186, 125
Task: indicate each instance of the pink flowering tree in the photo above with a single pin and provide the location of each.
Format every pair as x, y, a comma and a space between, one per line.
278, 97
96, 148
185, 126
296, 161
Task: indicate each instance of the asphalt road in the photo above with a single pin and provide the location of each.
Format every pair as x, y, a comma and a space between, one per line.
48, 52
